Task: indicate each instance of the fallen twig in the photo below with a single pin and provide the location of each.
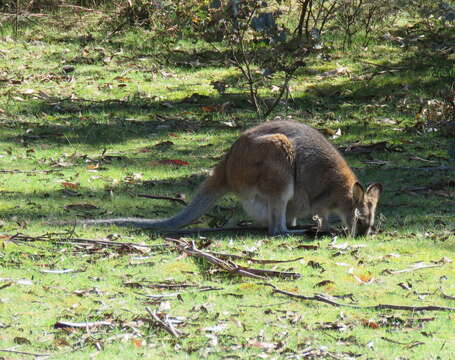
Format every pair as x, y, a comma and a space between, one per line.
82, 325
172, 286
159, 197
78, 8
15, 171
167, 326
24, 353
445, 296
227, 265
406, 345
257, 261
327, 300
63, 271
418, 266
50, 237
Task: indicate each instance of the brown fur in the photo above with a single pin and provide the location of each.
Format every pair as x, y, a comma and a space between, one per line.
281, 171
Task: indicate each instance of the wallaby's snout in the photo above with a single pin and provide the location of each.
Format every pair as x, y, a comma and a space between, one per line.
364, 202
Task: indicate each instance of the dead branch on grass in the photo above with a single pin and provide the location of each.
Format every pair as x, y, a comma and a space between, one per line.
82, 325
227, 265
445, 296
246, 258
57, 238
419, 266
160, 197
24, 353
325, 299
16, 171
166, 325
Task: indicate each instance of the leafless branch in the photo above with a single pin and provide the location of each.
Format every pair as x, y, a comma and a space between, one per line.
24, 353
227, 265
167, 326
325, 299
160, 197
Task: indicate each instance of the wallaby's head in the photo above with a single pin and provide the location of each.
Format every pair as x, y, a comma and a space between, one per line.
364, 202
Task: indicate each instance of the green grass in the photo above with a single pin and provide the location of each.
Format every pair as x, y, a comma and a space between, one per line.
97, 130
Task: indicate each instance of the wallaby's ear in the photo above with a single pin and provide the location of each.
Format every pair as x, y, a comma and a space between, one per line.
374, 190
358, 193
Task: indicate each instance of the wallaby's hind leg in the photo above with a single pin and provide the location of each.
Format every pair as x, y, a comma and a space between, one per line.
277, 213
264, 165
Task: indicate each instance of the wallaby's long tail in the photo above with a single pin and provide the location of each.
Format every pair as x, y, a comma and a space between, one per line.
209, 192
204, 200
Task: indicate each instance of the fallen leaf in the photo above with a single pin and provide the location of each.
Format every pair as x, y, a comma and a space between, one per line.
145, 149
261, 344
359, 148
328, 131
137, 342
70, 185
209, 108
59, 342
21, 341
417, 158
122, 79
63, 271
307, 247
174, 162
337, 134
81, 206
275, 88
28, 91
163, 145
324, 283
314, 264
370, 323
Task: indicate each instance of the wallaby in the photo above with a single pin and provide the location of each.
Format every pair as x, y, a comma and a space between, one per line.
281, 171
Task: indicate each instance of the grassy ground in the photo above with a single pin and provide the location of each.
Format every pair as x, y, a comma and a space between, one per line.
87, 125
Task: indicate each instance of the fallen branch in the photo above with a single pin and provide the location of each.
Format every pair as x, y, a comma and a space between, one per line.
172, 286
167, 326
325, 299
227, 265
51, 238
445, 296
24, 353
159, 197
82, 325
15, 171
418, 266
406, 345
78, 8
63, 271
246, 258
